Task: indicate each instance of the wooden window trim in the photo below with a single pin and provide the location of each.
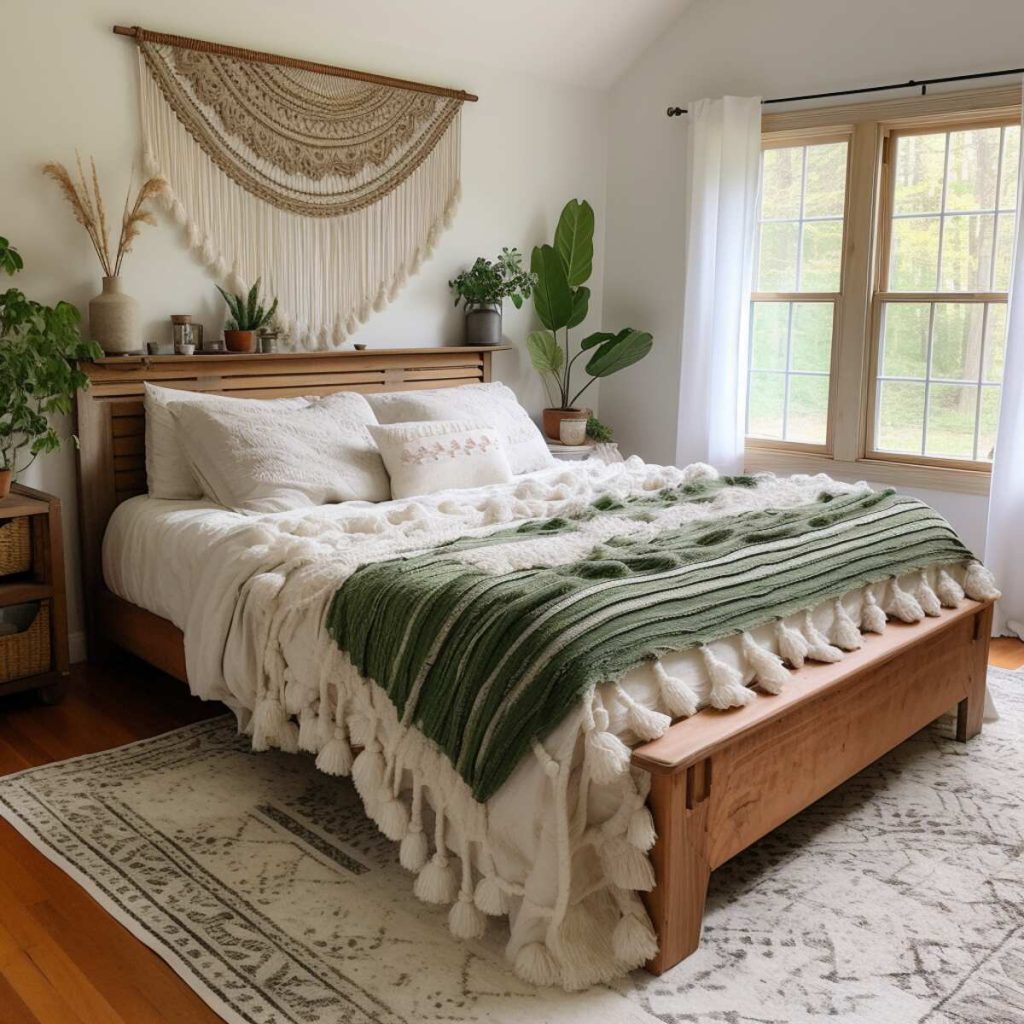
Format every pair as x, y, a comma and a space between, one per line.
867, 126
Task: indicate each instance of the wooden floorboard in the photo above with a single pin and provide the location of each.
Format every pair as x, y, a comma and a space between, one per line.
63, 959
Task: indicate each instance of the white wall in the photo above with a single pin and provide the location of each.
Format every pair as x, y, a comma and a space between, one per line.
750, 47
528, 146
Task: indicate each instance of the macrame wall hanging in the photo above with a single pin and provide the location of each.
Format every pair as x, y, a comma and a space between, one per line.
332, 185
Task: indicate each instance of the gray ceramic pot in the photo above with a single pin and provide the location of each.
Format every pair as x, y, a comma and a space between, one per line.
114, 319
483, 326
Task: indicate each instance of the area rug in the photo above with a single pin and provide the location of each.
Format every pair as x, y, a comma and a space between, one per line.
897, 898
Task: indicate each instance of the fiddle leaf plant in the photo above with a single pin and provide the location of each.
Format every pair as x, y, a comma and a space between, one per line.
40, 347
562, 301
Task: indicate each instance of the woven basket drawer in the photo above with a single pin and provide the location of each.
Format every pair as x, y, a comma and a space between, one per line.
15, 546
27, 653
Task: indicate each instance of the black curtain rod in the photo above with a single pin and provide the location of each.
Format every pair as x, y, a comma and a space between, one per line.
914, 83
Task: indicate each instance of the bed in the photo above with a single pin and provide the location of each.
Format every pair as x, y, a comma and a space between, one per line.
712, 783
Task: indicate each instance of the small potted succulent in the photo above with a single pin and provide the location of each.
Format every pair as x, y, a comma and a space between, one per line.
248, 315
562, 300
484, 287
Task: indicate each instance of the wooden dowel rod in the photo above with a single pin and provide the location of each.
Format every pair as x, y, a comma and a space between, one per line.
145, 35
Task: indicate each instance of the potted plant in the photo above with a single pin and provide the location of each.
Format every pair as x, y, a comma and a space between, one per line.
482, 289
562, 300
113, 316
39, 347
248, 315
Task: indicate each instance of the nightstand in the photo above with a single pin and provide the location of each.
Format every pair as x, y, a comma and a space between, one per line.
33, 605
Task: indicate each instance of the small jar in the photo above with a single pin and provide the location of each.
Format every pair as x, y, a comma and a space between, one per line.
573, 430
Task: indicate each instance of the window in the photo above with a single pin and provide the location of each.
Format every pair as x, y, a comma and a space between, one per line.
878, 317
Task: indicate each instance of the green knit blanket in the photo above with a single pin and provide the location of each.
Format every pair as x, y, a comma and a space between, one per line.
484, 663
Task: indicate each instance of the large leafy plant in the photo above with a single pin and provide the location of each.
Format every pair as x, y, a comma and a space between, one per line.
562, 300
488, 282
39, 349
247, 312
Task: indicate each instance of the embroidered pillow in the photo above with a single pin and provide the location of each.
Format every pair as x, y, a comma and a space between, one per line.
259, 457
492, 403
441, 455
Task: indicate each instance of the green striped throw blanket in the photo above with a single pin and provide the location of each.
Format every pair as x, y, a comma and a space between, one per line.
484, 663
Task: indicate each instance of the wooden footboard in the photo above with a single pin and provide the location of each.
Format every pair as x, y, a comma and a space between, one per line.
723, 779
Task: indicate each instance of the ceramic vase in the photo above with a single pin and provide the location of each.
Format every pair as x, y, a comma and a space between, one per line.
483, 326
114, 319
5, 483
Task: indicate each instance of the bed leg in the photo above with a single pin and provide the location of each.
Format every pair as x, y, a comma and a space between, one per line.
679, 804
971, 709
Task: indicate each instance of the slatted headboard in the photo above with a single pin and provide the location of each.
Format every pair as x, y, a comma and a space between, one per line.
111, 426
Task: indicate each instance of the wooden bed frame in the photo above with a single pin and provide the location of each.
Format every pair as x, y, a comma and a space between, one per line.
719, 780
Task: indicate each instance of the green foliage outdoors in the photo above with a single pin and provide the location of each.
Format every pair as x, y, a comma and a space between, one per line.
562, 300
247, 312
39, 349
488, 282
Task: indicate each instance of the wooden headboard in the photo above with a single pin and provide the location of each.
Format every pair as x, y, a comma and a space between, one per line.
111, 426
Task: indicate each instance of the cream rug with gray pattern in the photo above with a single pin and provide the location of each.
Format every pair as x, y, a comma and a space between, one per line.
898, 898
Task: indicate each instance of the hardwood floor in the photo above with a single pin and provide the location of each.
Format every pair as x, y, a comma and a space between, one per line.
64, 960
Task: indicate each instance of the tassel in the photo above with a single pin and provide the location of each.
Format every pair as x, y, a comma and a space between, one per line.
872, 618
381, 300
607, 757
903, 605
309, 731
643, 722
980, 584
465, 920
360, 729
769, 671
412, 854
640, 831
928, 599
845, 634
634, 941
368, 774
949, 591
490, 898
268, 723
288, 737
625, 865
393, 819
535, 964
818, 647
792, 645
335, 757
680, 700
436, 882
727, 689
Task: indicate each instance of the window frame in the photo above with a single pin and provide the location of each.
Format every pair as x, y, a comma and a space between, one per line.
869, 127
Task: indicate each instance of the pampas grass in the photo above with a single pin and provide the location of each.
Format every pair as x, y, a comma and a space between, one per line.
86, 202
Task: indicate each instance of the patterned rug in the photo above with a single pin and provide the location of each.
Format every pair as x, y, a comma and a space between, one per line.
897, 898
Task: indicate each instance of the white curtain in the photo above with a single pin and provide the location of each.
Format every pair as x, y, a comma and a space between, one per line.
724, 150
1004, 543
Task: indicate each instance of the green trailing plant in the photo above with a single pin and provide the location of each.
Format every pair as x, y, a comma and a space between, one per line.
488, 282
598, 431
39, 351
247, 312
562, 300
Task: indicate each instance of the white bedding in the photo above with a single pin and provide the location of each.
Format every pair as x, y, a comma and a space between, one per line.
251, 592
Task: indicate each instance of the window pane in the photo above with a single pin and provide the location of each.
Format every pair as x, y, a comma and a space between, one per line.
956, 340
973, 165
766, 404
995, 343
1005, 224
821, 256
951, 412
914, 260
781, 178
1011, 163
918, 173
900, 417
905, 339
989, 422
778, 256
812, 336
808, 409
768, 332
825, 192
967, 252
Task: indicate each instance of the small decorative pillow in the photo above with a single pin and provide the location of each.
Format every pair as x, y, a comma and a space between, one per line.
258, 457
491, 403
168, 473
441, 455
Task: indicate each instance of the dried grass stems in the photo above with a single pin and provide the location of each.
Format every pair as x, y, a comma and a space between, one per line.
86, 201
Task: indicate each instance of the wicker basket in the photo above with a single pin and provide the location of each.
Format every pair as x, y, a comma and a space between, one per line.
15, 546
27, 653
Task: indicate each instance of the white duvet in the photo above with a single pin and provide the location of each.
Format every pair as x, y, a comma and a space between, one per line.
562, 855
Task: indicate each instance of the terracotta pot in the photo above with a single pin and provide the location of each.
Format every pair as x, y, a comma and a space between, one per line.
552, 419
239, 341
114, 319
5, 483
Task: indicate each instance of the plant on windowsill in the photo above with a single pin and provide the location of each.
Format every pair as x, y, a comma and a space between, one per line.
248, 315
39, 349
562, 300
484, 287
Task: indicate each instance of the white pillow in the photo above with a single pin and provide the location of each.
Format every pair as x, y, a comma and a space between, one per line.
441, 455
168, 473
260, 457
494, 403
